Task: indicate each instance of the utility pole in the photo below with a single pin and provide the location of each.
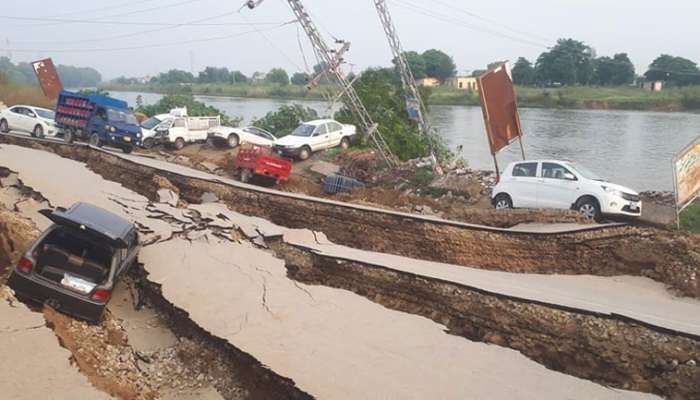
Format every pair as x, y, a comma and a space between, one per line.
414, 102
333, 60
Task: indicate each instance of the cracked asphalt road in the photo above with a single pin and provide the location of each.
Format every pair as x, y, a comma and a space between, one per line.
332, 343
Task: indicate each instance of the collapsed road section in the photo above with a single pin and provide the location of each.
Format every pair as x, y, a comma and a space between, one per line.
209, 264
599, 250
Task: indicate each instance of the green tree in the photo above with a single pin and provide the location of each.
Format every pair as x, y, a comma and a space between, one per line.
494, 65
416, 63
439, 65
523, 72
569, 62
214, 75
277, 76
283, 121
615, 71
300, 79
175, 76
75, 76
238, 77
385, 100
673, 70
194, 108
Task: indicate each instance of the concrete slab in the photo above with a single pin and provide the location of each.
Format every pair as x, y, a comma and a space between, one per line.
637, 298
324, 168
337, 345
29, 350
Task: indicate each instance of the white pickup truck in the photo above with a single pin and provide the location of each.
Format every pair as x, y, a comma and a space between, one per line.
177, 129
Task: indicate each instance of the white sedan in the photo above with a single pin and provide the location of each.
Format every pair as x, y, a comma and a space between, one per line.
314, 136
232, 137
38, 122
563, 184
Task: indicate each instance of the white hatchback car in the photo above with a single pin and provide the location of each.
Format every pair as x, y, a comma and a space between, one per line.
232, 137
563, 184
37, 121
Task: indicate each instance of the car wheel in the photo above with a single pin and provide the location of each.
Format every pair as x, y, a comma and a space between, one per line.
589, 208
95, 140
127, 149
179, 143
4, 128
305, 153
233, 140
345, 143
69, 136
502, 202
38, 131
148, 143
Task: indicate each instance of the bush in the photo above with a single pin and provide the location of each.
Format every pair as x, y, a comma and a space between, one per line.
385, 100
283, 121
194, 108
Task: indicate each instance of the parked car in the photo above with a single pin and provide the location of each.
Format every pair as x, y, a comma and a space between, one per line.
37, 121
178, 129
149, 129
563, 184
314, 136
102, 120
76, 262
232, 137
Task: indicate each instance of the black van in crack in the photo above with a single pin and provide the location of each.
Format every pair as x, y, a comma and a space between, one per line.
75, 263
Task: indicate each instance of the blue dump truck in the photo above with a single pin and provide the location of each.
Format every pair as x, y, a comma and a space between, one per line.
100, 120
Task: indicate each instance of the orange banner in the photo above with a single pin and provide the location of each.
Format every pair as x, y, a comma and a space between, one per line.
499, 105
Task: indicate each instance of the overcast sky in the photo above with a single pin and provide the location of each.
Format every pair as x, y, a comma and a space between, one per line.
474, 33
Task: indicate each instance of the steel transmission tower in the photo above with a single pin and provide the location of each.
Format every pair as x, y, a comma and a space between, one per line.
414, 102
333, 60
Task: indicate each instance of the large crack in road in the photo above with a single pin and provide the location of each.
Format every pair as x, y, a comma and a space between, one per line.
237, 297
664, 256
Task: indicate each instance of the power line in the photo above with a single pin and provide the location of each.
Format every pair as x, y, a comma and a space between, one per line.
165, 28
449, 19
167, 44
98, 22
482, 18
144, 10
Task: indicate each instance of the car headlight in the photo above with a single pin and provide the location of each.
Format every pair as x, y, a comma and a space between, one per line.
138, 135
612, 191
111, 128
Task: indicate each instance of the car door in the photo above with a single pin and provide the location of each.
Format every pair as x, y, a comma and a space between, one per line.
335, 134
558, 186
17, 119
179, 130
319, 138
261, 137
522, 184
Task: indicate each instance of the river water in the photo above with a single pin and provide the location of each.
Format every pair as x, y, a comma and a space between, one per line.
631, 148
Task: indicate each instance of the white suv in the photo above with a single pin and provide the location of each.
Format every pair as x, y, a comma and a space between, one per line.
314, 136
563, 184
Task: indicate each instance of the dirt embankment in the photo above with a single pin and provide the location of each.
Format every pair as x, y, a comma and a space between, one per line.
609, 351
664, 256
16, 234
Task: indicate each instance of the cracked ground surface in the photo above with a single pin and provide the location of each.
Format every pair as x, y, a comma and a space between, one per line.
332, 343
23, 333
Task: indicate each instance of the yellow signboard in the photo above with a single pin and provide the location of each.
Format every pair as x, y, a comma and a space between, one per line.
686, 167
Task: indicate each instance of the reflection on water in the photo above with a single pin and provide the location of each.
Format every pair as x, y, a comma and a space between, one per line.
632, 148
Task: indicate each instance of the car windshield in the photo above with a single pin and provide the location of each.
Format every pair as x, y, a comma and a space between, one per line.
304, 130
585, 172
121, 116
46, 114
151, 123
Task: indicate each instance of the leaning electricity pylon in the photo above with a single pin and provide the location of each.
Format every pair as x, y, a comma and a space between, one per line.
414, 102
333, 60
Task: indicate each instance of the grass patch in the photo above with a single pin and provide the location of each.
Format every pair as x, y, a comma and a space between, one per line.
690, 219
